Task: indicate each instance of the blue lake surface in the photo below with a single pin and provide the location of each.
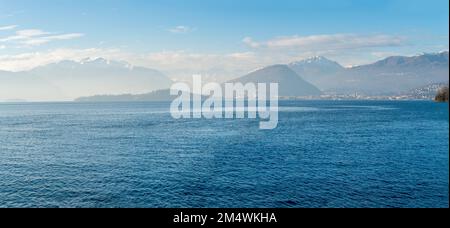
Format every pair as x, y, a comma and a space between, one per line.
323, 154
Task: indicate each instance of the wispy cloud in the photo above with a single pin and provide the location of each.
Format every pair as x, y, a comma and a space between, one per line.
47, 39
36, 37
327, 42
181, 29
24, 35
8, 27
251, 43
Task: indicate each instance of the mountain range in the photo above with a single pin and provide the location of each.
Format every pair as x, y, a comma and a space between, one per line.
318, 71
68, 80
392, 75
290, 83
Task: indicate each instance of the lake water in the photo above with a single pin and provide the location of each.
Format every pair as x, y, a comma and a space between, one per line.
323, 154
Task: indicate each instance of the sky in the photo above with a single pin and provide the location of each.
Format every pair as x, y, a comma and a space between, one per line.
219, 37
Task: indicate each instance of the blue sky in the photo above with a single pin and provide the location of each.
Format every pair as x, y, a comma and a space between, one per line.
349, 31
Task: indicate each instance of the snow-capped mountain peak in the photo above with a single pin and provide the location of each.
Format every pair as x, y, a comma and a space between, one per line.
316, 60
105, 62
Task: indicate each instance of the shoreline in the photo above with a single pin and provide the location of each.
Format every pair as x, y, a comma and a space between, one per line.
168, 101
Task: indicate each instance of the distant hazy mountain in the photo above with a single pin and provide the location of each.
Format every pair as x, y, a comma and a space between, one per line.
290, 83
392, 75
317, 70
100, 76
24, 86
70, 79
396, 74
